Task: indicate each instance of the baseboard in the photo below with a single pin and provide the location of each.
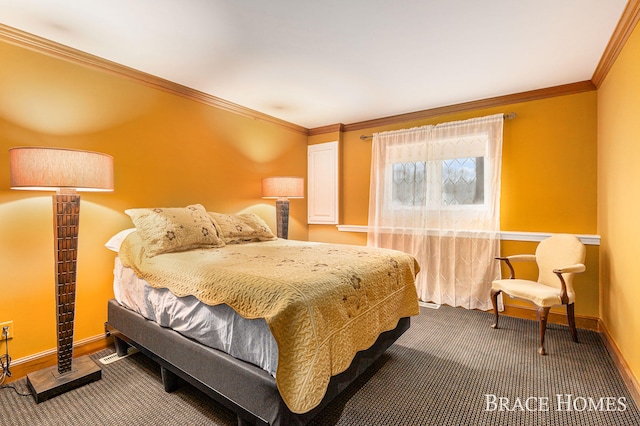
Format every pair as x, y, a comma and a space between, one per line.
23, 366
582, 321
627, 375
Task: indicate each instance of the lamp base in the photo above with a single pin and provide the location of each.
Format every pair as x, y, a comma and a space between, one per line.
47, 383
282, 217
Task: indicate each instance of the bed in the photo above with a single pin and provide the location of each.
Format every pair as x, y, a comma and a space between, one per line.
312, 316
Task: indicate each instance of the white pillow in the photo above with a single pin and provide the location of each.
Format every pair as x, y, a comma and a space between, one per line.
115, 242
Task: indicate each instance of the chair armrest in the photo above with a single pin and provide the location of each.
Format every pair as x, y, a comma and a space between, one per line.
522, 258
516, 258
577, 268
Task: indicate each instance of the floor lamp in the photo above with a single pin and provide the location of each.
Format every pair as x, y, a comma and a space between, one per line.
65, 171
282, 188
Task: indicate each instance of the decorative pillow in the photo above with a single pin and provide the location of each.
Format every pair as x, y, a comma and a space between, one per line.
166, 230
240, 228
115, 242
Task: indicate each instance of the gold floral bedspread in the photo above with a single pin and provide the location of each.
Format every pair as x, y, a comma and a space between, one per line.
323, 302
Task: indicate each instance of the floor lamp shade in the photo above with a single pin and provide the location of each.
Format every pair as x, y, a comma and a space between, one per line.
42, 169
65, 171
282, 188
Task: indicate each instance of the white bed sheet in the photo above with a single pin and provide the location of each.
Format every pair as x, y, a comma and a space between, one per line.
219, 327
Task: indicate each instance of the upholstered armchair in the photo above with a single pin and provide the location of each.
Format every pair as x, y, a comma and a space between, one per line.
559, 258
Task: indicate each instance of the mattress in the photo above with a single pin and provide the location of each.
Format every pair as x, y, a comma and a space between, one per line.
218, 327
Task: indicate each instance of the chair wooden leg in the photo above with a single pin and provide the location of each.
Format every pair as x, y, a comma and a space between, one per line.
494, 302
543, 313
571, 319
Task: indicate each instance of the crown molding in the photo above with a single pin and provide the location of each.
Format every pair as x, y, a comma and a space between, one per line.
626, 25
532, 95
60, 51
331, 128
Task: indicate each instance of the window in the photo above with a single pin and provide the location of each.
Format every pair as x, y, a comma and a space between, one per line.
461, 182
408, 188
435, 193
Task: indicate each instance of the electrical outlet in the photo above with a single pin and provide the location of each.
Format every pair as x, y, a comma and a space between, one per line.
6, 326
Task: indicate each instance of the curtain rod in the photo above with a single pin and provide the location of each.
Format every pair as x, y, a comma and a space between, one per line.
507, 116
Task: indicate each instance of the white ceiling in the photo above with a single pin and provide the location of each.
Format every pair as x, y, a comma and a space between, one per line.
316, 63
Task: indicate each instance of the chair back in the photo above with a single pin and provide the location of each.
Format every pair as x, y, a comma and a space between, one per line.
559, 251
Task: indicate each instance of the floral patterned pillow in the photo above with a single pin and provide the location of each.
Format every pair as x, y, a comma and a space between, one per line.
166, 230
241, 228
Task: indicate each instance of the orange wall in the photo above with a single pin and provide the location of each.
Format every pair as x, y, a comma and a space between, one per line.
619, 202
168, 151
549, 174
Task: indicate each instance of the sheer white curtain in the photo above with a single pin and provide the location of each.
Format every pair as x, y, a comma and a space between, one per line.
435, 193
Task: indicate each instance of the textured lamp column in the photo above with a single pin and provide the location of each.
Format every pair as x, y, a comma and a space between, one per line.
282, 188
65, 171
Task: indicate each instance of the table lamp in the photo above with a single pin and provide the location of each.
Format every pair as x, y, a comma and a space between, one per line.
282, 188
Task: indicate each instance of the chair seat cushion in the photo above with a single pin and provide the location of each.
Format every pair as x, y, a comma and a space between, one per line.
539, 294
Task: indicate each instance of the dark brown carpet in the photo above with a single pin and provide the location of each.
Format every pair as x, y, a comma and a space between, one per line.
439, 373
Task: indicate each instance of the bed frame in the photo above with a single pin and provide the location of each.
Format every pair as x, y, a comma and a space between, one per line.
247, 390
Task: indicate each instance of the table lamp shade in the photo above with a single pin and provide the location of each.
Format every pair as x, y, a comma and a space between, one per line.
37, 168
283, 187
